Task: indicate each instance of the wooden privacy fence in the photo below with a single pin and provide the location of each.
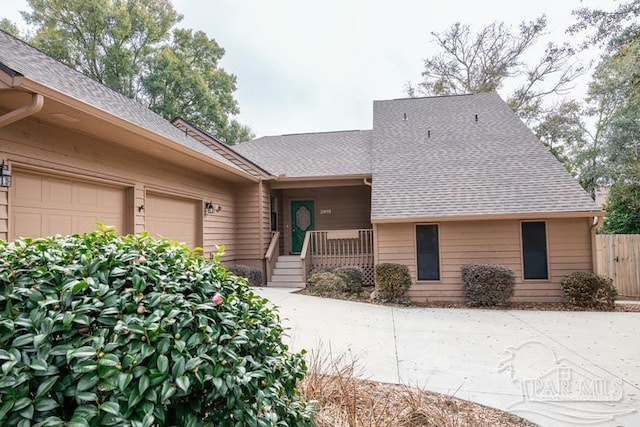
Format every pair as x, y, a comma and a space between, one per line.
618, 257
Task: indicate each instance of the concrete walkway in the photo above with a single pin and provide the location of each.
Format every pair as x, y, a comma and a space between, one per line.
553, 368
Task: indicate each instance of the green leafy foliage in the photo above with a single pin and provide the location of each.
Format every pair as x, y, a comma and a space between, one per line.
392, 282
487, 284
587, 289
97, 329
134, 47
623, 209
252, 274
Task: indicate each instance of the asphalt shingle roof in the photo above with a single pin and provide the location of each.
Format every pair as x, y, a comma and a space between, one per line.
431, 158
42, 69
312, 154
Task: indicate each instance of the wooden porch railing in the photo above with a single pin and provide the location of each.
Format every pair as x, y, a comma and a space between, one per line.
272, 254
341, 248
305, 256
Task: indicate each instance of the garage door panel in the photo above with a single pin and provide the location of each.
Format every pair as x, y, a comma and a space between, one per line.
173, 218
43, 205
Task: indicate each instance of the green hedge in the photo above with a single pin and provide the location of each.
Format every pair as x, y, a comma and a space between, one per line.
97, 329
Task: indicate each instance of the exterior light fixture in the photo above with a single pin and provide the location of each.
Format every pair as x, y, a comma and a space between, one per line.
211, 208
5, 175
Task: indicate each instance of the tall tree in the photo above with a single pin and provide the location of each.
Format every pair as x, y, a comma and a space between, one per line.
185, 80
108, 40
484, 61
616, 86
125, 44
10, 27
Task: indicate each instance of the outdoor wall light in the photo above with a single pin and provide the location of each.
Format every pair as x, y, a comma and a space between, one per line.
5, 175
212, 208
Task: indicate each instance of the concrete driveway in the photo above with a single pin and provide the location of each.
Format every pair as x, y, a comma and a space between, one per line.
553, 368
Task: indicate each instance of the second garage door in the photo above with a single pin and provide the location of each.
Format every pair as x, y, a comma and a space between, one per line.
174, 218
43, 205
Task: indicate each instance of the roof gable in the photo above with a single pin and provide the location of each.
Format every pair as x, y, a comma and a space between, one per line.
464, 156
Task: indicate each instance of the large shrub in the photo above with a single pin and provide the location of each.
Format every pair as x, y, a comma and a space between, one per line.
326, 284
587, 289
487, 284
252, 274
352, 277
392, 281
97, 329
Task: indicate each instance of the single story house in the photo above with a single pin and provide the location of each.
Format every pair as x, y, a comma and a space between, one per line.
435, 184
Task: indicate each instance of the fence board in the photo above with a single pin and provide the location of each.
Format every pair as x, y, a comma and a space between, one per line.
618, 257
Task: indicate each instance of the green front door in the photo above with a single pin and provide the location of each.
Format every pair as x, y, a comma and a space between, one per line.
301, 222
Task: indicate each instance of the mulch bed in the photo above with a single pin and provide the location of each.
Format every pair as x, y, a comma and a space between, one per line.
537, 306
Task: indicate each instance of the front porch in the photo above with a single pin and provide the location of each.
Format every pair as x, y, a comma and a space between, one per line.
319, 225
323, 249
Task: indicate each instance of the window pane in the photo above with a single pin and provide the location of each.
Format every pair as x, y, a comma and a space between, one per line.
534, 250
428, 252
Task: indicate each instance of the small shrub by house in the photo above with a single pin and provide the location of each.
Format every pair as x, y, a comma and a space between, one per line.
487, 284
587, 289
326, 284
252, 274
352, 277
97, 329
392, 282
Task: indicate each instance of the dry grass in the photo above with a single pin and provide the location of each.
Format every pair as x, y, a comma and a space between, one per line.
344, 400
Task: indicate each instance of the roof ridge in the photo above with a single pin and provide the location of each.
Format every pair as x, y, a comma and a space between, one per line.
317, 133
417, 98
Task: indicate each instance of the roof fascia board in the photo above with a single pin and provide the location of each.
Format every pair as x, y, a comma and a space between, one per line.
522, 216
180, 123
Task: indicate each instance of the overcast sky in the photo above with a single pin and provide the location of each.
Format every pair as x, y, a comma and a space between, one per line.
308, 66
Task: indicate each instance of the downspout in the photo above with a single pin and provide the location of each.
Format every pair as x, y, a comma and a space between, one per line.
594, 249
365, 181
37, 101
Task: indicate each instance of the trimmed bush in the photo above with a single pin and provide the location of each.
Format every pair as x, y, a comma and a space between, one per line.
587, 289
98, 329
252, 274
487, 284
326, 284
392, 282
352, 277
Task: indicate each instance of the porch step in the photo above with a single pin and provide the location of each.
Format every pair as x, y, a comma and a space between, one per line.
287, 272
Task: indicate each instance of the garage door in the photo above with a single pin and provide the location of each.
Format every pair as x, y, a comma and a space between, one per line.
42, 205
173, 218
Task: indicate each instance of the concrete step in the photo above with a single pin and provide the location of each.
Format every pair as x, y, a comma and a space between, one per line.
288, 271
283, 278
276, 284
287, 264
289, 258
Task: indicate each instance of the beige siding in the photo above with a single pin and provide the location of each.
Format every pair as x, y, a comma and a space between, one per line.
337, 208
30, 145
496, 242
248, 226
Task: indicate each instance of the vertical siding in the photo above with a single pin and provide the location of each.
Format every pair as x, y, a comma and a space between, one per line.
30, 144
495, 242
350, 208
